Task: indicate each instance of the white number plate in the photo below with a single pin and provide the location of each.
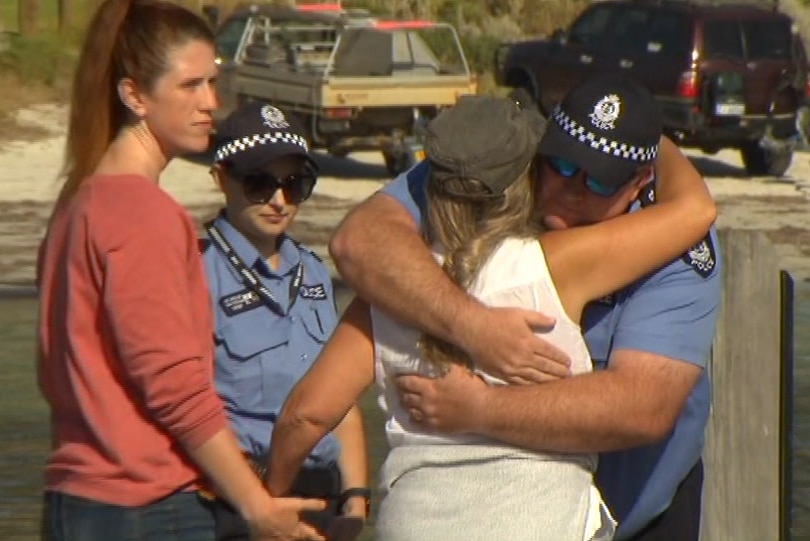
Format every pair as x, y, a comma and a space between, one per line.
729, 109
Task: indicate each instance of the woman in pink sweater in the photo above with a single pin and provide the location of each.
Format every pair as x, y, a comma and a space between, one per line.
125, 326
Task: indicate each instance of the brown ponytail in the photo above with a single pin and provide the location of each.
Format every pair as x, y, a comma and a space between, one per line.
469, 231
126, 38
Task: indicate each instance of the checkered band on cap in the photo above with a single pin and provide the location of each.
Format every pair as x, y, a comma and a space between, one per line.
602, 144
251, 141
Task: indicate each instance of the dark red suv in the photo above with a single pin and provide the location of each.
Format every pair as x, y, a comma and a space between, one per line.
725, 76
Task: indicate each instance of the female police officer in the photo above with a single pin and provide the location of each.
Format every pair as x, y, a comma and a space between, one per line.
273, 305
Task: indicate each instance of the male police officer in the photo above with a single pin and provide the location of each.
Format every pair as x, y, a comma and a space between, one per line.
273, 303
647, 408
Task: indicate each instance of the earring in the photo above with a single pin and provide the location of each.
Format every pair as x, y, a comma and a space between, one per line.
142, 133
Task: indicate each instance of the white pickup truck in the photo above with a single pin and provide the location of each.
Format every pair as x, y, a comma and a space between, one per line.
358, 83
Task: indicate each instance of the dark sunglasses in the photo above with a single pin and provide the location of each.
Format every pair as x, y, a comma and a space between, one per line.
569, 169
259, 188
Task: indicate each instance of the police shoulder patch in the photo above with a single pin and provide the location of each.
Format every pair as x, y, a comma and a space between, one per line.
647, 196
702, 257
203, 245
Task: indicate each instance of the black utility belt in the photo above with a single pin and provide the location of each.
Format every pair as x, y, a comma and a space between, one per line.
324, 483
319, 483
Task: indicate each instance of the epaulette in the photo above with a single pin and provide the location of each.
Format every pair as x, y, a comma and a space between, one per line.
203, 245
308, 250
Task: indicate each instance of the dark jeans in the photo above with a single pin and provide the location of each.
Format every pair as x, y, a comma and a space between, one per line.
681, 520
322, 484
179, 517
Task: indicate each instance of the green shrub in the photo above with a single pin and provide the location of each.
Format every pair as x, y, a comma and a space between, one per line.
38, 60
480, 51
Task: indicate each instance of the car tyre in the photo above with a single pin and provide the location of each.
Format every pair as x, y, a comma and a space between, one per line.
338, 152
762, 161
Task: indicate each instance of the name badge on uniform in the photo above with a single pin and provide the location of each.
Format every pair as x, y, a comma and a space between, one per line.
316, 292
239, 302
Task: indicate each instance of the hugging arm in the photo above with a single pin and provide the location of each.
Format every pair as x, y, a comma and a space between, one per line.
661, 344
662, 339
380, 252
309, 412
589, 262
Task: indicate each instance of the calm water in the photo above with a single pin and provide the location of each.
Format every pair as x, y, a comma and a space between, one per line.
24, 435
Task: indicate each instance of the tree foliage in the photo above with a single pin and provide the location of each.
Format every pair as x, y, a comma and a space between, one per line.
482, 24
532, 17
29, 16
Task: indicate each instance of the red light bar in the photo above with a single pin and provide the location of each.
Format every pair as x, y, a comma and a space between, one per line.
338, 112
319, 7
397, 25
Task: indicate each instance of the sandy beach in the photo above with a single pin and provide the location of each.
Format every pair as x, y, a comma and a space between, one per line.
28, 186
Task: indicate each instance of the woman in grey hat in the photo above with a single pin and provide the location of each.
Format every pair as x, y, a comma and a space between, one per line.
485, 229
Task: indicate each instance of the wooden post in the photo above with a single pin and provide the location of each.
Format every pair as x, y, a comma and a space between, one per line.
743, 462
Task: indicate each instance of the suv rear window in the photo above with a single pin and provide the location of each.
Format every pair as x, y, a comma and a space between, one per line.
747, 40
767, 39
591, 26
634, 30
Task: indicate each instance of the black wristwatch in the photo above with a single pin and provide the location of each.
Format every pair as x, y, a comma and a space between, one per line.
365, 493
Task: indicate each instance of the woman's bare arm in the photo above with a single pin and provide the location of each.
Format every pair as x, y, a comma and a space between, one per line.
345, 368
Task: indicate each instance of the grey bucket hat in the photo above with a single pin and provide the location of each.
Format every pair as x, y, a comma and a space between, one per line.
485, 138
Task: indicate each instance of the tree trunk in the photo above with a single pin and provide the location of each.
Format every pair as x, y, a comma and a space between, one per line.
29, 16
65, 14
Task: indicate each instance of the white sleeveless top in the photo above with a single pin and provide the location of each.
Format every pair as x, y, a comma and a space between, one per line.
516, 275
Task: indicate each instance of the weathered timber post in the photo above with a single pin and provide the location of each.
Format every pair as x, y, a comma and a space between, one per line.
746, 463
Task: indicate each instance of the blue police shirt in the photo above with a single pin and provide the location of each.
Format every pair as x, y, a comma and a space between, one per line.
671, 312
260, 354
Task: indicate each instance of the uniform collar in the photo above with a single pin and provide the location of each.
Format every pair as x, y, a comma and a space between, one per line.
289, 255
